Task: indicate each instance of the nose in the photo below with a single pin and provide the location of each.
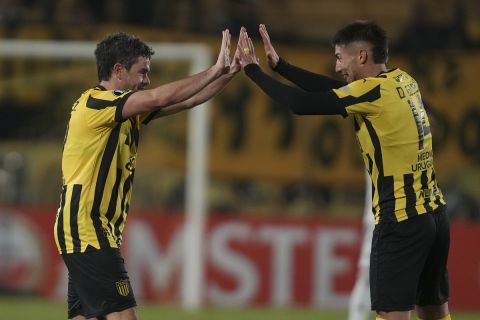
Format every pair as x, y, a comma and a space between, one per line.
338, 67
146, 81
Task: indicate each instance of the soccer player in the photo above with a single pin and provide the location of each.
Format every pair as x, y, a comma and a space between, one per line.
408, 262
98, 166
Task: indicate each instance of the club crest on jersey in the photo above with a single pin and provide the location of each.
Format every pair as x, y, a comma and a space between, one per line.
118, 92
123, 287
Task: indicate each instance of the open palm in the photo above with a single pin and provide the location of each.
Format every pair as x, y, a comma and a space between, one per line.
272, 56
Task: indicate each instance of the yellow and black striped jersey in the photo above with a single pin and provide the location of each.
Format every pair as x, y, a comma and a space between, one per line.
393, 131
98, 166
391, 125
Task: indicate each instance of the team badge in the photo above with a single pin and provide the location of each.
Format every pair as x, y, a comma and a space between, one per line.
123, 287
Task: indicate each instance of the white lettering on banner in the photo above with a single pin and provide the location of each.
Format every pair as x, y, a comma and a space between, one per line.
234, 264
283, 241
327, 265
160, 265
145, 257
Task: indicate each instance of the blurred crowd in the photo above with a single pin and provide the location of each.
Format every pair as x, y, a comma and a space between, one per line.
414, 23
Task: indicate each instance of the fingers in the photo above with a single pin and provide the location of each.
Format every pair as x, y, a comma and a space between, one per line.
246, 49
227, 47
228, 35
263, 32
223, 60
242, 41
251, 47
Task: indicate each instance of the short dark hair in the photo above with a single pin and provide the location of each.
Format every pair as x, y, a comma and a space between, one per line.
119, 47
368, 31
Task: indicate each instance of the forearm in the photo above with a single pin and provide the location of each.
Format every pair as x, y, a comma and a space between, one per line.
305, 79
204, 95
299, 102
145, 101
184, 89
210, 91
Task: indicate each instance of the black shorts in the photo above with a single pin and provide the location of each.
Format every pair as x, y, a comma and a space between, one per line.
408, 263
98, 283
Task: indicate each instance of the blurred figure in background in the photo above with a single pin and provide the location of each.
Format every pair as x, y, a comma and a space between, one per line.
98, 165
360, 306
408, 264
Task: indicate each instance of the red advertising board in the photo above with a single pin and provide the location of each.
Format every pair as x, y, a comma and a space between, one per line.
248, 260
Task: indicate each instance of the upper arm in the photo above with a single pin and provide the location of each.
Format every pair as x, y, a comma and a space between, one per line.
141, 102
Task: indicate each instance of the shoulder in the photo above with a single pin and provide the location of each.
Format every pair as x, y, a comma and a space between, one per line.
359, 87
99, 92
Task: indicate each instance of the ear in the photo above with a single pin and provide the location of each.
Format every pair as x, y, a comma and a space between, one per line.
117, 71
363, 56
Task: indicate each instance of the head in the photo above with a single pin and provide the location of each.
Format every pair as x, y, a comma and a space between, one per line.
123, 61
361, 50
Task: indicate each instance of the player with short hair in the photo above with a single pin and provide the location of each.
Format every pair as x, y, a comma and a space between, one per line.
408, 263
98, 166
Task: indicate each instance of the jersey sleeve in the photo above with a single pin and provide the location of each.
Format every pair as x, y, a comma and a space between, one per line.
104, 108
308, 81
145, 118
359, 96
300, 102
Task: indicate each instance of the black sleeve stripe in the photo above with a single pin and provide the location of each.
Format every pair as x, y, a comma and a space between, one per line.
99, 104
150, 117
120, 103
369, 96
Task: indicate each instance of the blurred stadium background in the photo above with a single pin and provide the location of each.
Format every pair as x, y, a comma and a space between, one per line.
284, 193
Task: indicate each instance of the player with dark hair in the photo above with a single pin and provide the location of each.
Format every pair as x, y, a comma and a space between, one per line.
98, 166
408, 262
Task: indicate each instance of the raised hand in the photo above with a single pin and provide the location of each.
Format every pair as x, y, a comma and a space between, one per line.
246, 49
223, 60
272, 56
235, 64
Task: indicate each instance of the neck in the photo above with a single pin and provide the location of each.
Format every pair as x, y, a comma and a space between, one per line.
375, 69
110, 85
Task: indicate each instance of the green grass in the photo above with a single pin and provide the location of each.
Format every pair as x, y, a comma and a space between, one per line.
30, 308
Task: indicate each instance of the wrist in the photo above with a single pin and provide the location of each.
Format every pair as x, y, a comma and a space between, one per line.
251, 68
216, 71
280, 63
